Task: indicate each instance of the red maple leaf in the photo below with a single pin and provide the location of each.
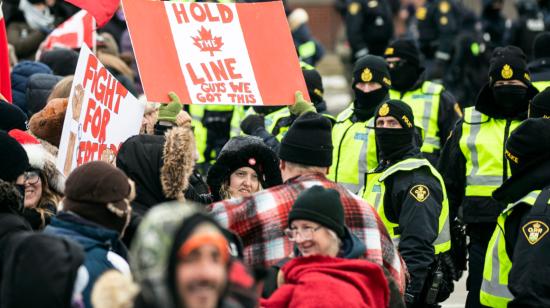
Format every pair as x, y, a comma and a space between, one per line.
206, 42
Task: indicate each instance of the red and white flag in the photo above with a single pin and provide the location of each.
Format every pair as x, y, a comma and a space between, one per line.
214, 53
73, 33
5, 81
102, 10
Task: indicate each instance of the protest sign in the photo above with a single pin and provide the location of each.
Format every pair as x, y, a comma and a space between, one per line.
213, 53
101, 114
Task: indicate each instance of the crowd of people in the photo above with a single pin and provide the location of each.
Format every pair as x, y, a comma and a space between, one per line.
438, 166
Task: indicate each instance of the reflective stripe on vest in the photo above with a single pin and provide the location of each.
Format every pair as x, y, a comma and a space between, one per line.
374, 194
494, 287
354, 151
541, 85
482, 144
307, 49
199, 131
424, 102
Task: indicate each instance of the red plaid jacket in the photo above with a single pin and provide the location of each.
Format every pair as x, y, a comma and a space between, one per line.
260, 220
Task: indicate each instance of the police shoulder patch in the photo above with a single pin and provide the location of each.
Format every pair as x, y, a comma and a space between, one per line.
420, 192
534, 231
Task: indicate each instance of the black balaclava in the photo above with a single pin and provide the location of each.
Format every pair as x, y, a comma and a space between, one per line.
407, 71
370, 69
393, 143
508, 63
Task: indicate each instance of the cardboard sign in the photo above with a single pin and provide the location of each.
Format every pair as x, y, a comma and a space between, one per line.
100, 116
212, 53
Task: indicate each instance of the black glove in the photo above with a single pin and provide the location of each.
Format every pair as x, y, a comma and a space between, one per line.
252, 123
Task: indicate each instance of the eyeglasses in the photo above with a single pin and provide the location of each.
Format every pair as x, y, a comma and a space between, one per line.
31, 177
305, 233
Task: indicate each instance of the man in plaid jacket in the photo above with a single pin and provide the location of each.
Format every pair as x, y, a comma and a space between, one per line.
306, 155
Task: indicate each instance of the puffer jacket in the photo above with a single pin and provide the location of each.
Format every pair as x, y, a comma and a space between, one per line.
19, 78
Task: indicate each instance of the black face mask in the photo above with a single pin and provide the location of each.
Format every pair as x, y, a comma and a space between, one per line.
367, 102
511, 99
403, 76
392, 144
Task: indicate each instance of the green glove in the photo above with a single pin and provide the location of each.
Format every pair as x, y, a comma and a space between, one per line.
169, 112
301, 106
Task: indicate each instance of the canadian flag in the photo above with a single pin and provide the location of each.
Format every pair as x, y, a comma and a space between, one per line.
73, 33
5, 81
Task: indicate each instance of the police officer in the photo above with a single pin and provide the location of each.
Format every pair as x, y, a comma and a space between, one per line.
438, 24
540, 66
494, 24
529, 24
369, 27
472, 161
353, 138
309, 49
435, 109
409, 194
518, 250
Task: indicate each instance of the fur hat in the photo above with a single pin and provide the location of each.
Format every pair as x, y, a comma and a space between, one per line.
178, 155
41, 159
47, 124
244, 151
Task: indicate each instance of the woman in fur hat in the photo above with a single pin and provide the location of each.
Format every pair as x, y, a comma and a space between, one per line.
42, 182
245, 165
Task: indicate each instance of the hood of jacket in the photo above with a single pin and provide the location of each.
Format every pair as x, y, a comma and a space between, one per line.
160, 166
19, 78
54, 261
39, 87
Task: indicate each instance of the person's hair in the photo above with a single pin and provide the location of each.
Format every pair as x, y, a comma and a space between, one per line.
62, 89
48, 198
304, 168
336, 238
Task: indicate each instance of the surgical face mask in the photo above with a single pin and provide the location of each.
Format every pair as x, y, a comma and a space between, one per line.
511, 99
403, 75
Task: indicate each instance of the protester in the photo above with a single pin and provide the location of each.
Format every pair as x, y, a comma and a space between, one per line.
160, 166
260, 219
39, 88
62, 61
12, 117
56, 268
43, 183
245, 166
180, 258
20, 76
96, 212
316, 227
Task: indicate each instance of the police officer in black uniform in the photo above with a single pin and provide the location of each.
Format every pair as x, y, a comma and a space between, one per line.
494, 24
369, 27
438, 24
410, 197
540, 66
529, 24
527, 222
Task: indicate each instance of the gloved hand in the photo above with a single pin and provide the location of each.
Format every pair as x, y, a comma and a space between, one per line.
169, 112
301, 106
251, 123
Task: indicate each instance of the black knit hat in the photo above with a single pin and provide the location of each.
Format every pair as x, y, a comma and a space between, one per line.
244, 151
539, 107
508, 63
308, 141
528, 145
314, 85
100, 193
13, 158
322, 206
404, 49
541, 45
397, 109
371, 69
11, 117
